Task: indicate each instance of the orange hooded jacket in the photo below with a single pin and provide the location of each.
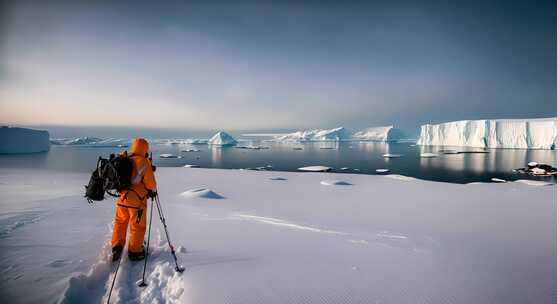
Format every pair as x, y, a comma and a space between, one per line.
143, 178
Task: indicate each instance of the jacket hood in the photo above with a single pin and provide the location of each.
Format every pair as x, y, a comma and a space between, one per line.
140, 147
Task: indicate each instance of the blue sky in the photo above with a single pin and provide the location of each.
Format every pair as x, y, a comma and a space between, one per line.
269, 65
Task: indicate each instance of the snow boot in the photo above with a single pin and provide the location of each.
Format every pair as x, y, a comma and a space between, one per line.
117, 252
136, 256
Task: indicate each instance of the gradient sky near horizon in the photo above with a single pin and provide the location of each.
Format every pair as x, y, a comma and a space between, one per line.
265, 65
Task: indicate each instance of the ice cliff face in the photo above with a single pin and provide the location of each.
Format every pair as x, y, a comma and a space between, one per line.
22, 140
342, 134
222, 139
501, 133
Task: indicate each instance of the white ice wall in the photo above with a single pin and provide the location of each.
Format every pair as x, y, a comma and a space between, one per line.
501, 133
22, 140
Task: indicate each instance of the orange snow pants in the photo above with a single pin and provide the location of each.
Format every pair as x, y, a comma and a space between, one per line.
136, 218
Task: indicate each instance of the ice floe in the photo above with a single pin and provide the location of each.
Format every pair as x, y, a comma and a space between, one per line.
316, 169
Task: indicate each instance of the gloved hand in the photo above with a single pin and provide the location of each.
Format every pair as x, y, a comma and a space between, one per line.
151, 194
154, 168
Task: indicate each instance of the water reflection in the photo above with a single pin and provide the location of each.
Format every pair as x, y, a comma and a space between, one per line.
361, 157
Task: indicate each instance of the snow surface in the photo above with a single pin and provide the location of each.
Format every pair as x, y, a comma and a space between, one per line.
501, 133
383, 134
22, 140
222, 139
380, 240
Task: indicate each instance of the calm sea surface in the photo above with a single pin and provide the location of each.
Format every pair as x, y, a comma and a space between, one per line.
361, 158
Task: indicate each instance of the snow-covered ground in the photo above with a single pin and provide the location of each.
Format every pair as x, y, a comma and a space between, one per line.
279, 237
501, 133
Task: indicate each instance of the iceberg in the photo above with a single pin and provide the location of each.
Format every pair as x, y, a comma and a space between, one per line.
89, 141
222, 139
538, 133
388, 133
22, 140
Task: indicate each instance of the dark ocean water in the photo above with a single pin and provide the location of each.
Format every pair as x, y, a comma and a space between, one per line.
361, 158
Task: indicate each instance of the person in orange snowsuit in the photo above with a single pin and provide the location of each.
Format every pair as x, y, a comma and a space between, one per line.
131, 206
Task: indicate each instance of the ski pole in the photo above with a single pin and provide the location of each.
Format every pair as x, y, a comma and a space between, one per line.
142, 283
163, 221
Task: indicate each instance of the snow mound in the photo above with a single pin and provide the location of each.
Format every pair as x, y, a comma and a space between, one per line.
428, 155
382, 170
400, 177
22, 140
533, 182
501, 133
342, 134
315, 169
191, 166
222, 139
201, 193
334, 182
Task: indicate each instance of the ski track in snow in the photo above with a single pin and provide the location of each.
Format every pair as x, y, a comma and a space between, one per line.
385, 238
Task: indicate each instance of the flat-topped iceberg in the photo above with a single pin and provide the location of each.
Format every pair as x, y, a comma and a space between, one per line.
501, 133
22, 140
222, 139
388, 133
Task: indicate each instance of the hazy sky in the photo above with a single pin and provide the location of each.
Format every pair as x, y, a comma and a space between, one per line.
263, 65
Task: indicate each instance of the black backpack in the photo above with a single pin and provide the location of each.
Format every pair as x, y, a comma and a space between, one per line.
111, 176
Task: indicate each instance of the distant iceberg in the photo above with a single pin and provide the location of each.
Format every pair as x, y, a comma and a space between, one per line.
89, 141
501, 133
222, 139
383, 134
22, 140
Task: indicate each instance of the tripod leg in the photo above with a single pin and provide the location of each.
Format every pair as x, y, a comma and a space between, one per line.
163, 221
142, 283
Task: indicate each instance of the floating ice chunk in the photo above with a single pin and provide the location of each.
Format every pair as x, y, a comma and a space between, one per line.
400, 177
532, 164
388, 155
316, 169
201, 193
533, 182
428, 155
334, 182
191, 150
168, 155
448, 151
498, 180
222, 139
345, 168
191, 166
382, 170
